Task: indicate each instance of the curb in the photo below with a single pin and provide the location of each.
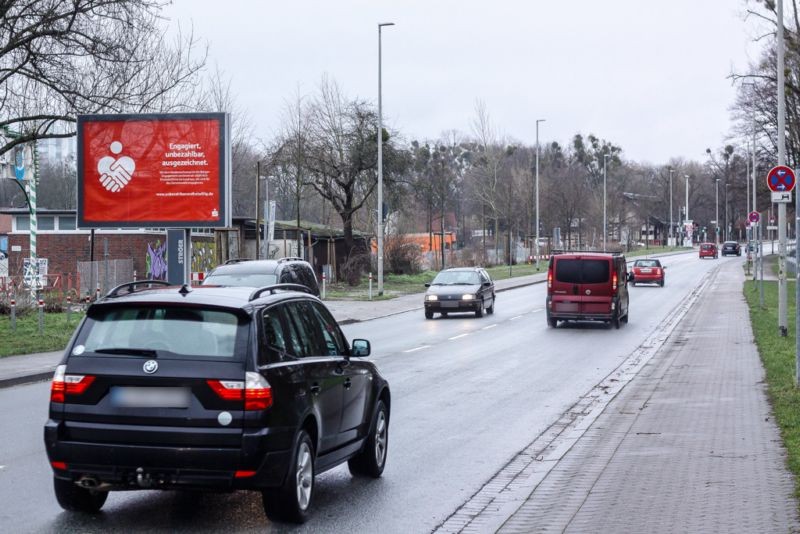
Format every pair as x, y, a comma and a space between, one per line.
26, 379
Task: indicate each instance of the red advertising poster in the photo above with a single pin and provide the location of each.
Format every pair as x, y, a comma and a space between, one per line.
160, 170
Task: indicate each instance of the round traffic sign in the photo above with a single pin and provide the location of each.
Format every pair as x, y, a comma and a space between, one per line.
754, 216
780, 179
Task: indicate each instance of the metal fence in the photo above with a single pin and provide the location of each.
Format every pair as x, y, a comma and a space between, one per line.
105, 275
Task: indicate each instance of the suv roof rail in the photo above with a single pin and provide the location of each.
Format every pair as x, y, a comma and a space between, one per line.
236, 260
578, 251
132, 287
272, 288
290, 258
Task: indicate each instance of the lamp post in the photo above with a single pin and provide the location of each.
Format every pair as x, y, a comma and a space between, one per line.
380, 165
716, 211
605, 233
671, 170
536, 247
686, 211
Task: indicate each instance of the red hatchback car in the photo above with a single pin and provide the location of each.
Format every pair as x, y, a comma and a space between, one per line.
647, 271
708, 250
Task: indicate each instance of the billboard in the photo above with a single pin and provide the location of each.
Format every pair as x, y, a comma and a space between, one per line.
154, 170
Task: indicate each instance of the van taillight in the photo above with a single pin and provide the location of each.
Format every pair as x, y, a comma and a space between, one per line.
64, 384
614, 282
550, 278
255, 391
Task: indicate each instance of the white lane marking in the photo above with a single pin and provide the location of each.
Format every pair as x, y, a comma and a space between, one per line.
537, 310
457, 337
488, 327
515, 318
417, 348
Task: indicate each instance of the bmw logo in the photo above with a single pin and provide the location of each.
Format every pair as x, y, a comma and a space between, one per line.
150, 366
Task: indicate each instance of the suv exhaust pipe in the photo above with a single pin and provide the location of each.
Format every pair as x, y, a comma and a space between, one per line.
88, 482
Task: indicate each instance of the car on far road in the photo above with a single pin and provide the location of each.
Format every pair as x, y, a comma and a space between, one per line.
731, 247
708, 250
462, 289
212, 388
647, 271
260, 273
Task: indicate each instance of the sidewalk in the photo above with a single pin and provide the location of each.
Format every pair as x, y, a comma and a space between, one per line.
688, 446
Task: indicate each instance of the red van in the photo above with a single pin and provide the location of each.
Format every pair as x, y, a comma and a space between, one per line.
587, 286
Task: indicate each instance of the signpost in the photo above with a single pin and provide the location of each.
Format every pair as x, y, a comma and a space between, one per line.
781, 181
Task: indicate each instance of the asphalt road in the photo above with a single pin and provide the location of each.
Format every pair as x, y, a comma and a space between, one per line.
468, 394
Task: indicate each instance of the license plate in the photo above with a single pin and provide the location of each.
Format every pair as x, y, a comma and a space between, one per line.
645, 271
150, 397
453, 304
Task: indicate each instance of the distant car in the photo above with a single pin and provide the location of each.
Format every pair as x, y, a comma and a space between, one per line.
260, 273
647, 271
465, 289
708, 250
212, 388
731, 247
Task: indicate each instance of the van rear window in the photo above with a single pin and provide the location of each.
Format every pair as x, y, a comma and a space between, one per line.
582, 271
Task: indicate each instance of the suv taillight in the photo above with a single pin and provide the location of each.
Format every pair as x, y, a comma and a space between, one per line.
255, 391
64, 384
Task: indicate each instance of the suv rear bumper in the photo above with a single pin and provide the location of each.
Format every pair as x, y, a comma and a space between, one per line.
117, 466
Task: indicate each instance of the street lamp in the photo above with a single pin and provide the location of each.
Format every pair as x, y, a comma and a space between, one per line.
716, 208
536, 248
605, 233
380, 166
686, 212
671, 170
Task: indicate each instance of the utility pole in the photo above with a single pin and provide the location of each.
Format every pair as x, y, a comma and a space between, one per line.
536, 247
380, 165
782, 286
671, 224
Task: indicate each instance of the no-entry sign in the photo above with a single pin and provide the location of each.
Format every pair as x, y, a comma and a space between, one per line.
780, 179
754, 216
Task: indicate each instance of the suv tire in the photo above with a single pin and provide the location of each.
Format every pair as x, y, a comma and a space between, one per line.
479, 311
428, 314
490, 309
72, 497
371, 460
292, 501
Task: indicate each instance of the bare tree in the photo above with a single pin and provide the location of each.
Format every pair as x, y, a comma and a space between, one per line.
59, 59
341, 153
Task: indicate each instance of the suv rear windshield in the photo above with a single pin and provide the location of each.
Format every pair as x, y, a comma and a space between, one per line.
163, 331
575, 271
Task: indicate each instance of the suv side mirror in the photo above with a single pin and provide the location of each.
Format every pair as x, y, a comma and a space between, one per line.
360, 348
427, 285
487, 284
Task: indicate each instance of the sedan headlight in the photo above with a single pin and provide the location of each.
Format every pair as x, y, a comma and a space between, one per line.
431, 297
467, 297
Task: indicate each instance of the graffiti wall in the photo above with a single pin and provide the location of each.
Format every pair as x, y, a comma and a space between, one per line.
204, 256
156, 260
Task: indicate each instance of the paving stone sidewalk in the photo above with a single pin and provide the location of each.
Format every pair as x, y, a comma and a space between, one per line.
688, 446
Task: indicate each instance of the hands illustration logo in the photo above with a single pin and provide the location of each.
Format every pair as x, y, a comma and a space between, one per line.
115, 173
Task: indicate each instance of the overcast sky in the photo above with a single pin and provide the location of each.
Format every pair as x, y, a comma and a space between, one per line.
650, 76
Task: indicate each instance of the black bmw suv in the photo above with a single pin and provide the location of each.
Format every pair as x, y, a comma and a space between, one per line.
221, 388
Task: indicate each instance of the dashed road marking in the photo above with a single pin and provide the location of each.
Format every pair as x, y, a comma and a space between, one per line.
457, 337
537, 310
515, 318
415, 349
488, 327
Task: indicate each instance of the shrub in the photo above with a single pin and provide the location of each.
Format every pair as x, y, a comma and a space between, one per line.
402, 255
